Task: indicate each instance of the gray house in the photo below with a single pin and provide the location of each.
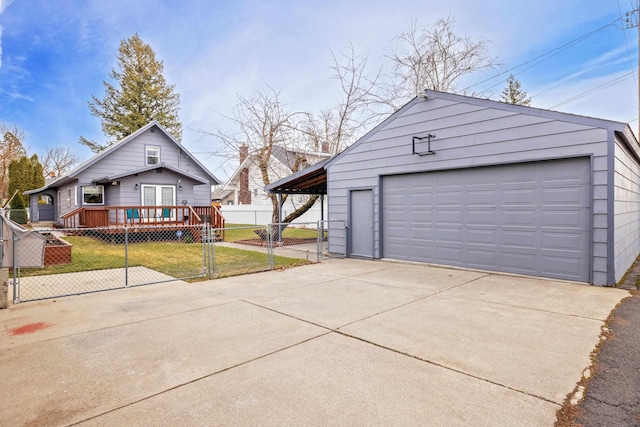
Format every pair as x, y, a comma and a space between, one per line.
468, 182
145, 170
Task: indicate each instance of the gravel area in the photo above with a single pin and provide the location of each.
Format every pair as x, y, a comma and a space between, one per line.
609, 393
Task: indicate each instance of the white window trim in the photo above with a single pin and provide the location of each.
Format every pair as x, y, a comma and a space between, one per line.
146, 154
75, 195
92, 204
158, 213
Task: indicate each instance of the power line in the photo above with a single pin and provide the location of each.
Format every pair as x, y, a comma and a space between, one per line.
626, 42
544, 56
594, 89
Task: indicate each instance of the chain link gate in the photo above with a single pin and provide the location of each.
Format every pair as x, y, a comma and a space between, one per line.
80, 261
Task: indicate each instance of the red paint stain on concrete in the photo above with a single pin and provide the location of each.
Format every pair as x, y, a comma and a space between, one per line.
29, 329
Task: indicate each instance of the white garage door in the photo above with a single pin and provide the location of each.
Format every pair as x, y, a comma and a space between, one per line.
530, 218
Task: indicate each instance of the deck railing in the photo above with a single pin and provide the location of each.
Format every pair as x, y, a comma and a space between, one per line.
106, 216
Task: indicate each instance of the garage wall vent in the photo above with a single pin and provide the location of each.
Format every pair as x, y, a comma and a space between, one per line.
421, 140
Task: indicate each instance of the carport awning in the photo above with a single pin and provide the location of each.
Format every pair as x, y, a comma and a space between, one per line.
312, 180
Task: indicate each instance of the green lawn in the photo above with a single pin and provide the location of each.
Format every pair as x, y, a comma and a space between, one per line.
235, 232
175, 259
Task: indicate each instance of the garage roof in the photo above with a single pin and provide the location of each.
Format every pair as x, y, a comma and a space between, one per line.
312, 180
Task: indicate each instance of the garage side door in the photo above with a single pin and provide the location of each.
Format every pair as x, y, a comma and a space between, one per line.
531, 218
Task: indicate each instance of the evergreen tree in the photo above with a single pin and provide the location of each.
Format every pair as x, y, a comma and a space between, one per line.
142, 95
25, 174
18, 212
37, 173
513, 93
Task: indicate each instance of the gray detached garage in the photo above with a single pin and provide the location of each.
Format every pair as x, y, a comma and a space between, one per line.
469, 182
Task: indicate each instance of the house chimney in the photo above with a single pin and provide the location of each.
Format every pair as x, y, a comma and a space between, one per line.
325, 147
244, 152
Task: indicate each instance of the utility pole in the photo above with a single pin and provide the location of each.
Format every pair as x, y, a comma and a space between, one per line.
632, 21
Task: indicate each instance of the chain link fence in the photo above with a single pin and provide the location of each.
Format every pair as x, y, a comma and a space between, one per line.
56, 262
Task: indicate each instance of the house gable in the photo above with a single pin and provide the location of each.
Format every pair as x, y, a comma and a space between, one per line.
123, 168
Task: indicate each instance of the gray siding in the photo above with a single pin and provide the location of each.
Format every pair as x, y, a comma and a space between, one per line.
131, 156
66, 202
627, 209
467, 134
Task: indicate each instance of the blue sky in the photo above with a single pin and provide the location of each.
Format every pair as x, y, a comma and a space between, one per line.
55, 54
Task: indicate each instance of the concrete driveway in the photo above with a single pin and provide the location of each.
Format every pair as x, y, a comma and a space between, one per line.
345, 342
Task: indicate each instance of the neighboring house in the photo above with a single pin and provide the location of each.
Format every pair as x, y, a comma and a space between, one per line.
246, 186
455, 180
146, 169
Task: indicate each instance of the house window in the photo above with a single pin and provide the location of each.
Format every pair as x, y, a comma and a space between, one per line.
59, 203
75, 195
69, 197
93, 195
152, 154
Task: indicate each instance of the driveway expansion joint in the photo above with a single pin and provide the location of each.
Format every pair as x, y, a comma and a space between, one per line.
439, 365
202, 377
346, 335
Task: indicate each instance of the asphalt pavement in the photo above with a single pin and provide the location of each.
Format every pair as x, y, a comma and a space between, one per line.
612, 395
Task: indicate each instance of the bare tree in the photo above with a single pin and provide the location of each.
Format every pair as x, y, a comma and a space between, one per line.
434, 57
264, 124
58, 160
11, 149
338, 127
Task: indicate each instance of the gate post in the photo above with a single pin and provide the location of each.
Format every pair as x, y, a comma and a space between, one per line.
126, 256
16, 286
270, 249
4, 288
319, 238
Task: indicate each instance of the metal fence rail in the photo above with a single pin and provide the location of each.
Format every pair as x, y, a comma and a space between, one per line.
84, 260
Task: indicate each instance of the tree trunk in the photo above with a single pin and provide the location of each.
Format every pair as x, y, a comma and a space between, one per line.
279, 228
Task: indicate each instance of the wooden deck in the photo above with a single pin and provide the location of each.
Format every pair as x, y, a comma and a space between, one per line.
119, 216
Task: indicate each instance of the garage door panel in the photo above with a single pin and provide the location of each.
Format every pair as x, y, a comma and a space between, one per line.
562, 241
482, 236
575, 220
449, 216
529, 218
520, 263
450, 234
481, 256
519, 197
563, 196
451, 255
482, 197
485, 217
566, 268
516, 218
514, 239
420, 216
